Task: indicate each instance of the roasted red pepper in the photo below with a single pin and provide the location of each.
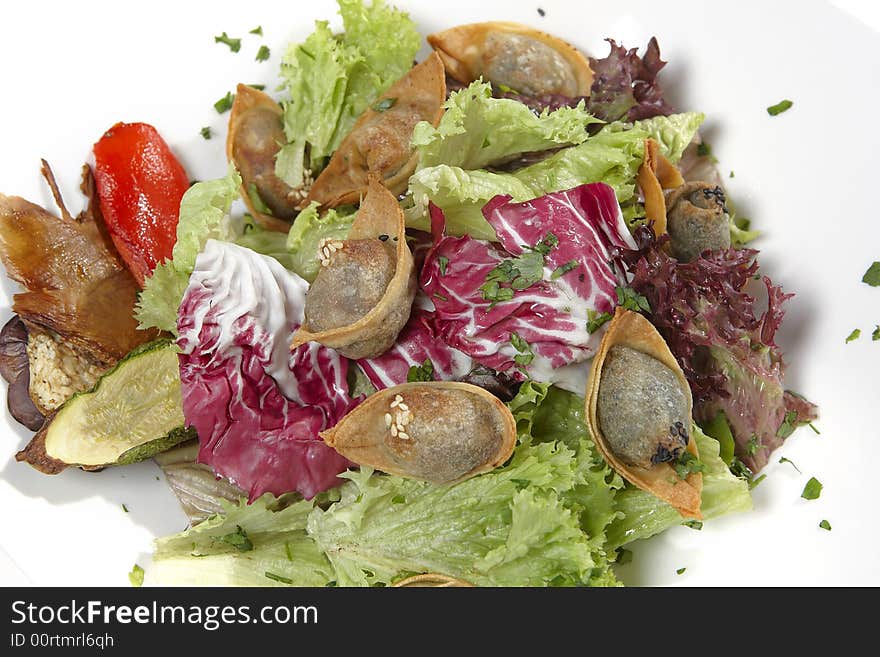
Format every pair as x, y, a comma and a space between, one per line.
140, 184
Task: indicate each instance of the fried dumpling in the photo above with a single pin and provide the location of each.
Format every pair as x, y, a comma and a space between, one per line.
363, 293
516, 56
639, 411
255, 136
439, 431
380, 140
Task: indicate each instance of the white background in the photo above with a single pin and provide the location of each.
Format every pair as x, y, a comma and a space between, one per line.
805, 178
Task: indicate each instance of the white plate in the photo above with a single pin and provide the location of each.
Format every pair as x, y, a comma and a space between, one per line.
71, 70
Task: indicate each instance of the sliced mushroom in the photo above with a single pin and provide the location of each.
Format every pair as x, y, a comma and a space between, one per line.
442, 432
363, 293
255, 136
639, 411
380, 140
516, 56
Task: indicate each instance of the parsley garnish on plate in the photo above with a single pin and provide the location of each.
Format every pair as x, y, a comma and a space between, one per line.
234, 44
693, 524
225, 103
686, 464
876, 334
258, 30
680, 571
136, 576
825, 525
779, 107
872, 276
856, 333
205, 132
790, 462
812, 490
263, 54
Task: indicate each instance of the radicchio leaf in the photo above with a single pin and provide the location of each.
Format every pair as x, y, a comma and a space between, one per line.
416, 343
727, 351
257, 406
536, 323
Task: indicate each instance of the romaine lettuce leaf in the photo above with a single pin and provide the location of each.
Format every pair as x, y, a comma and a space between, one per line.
204, 215
641, 514
216, 552
477, 130
332, 79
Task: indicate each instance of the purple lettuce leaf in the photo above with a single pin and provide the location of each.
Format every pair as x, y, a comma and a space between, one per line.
533, 324
257, 406
726, 350
625, 85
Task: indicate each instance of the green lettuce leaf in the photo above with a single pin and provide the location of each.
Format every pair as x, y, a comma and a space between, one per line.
303, 242
642, 515
477, 130
332, 79
204, 215
613, 156
216, 550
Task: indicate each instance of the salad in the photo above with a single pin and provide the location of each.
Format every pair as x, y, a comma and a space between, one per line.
486, 319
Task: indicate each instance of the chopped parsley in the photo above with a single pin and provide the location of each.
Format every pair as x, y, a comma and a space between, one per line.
238, 539
519, 273
789, 424
205, 132
825, 525
443, 261
595, 320
680, 571
741, 470
234, 44
136, 576
693, 524
686, 464
779, 107
872, 276
856, 333
423, 372
225, 103
525, 355
258, 30
731, 174
876, 334
125, 508
631, 300
263, 54
384, 104
790, 462
561, 270
754, 445
812, 490
278, 578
